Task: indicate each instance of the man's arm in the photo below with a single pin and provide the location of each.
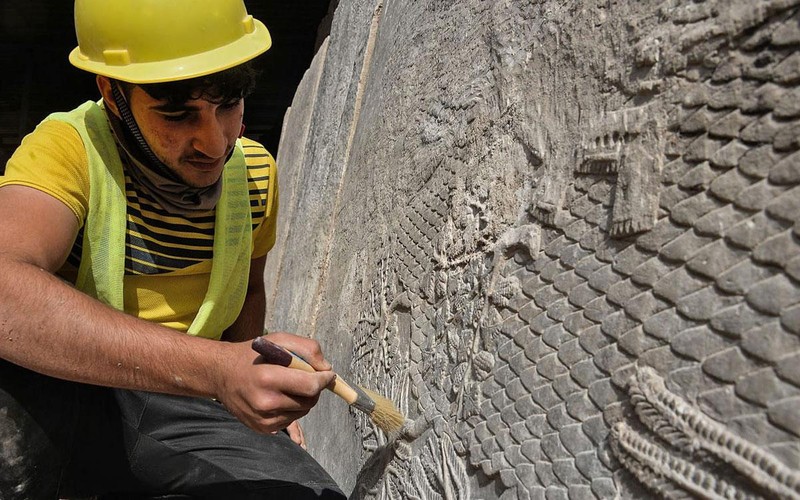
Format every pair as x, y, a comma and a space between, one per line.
50, 327
250, 324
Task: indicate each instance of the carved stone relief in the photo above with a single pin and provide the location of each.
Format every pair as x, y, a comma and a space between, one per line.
627, 144
580, 274
700, 450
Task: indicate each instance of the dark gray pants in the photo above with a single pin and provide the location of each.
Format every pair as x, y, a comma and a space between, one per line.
63, 439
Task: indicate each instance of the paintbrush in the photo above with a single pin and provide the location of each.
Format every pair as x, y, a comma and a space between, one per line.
380, 410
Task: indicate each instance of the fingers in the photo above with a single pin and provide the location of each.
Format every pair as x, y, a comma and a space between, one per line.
289, 389
276, 423
291, 397
296, 382
296, 433
269, 397
308, 349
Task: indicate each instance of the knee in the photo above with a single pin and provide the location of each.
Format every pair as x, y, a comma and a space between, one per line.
30, 464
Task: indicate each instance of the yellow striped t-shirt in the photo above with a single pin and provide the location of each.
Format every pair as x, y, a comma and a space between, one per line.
167, 257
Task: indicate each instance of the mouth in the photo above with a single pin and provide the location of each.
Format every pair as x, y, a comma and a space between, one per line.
205, 165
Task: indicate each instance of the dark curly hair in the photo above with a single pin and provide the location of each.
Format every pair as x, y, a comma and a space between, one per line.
227, 85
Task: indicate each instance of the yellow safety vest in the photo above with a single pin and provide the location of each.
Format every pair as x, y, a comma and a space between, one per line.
102, 267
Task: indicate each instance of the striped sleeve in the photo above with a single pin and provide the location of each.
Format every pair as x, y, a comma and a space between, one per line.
263, 185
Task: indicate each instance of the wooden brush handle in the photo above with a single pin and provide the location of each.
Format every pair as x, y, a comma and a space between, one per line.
273, 353
277, 355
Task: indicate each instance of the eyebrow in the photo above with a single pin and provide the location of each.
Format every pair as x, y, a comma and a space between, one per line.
169, 107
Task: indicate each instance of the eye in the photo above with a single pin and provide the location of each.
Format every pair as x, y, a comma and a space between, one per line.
231, 104
175, 117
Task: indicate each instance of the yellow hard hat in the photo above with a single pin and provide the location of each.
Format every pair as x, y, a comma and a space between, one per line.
151, 41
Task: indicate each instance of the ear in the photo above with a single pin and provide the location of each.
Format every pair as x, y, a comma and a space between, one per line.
104, 86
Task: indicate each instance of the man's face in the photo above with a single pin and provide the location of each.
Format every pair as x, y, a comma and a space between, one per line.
193, 139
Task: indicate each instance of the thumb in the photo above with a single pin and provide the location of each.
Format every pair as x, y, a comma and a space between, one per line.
327, 379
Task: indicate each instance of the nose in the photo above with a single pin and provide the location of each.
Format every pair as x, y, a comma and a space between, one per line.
209, 137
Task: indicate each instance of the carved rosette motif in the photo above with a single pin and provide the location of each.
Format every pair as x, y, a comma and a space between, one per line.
632, 325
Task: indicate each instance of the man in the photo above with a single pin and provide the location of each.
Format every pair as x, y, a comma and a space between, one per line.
133, 237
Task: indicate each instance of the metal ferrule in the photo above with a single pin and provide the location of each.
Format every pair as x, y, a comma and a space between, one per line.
363, 402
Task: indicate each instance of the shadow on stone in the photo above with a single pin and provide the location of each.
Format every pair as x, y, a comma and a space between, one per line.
372, 472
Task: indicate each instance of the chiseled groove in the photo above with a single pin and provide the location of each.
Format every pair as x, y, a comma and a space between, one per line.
686, 475
646, 475
653, 419
649, 393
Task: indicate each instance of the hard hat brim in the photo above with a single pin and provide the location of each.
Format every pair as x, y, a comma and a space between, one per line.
205, 63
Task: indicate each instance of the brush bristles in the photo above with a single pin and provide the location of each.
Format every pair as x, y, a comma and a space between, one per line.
385, 415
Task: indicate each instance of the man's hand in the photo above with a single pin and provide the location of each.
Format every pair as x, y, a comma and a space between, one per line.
266, 397
296, 433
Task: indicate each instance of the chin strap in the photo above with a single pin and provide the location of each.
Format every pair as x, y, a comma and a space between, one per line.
133, 129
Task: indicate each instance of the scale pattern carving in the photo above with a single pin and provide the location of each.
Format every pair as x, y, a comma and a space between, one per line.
616, 339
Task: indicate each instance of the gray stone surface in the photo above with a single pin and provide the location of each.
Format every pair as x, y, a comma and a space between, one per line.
561, 237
